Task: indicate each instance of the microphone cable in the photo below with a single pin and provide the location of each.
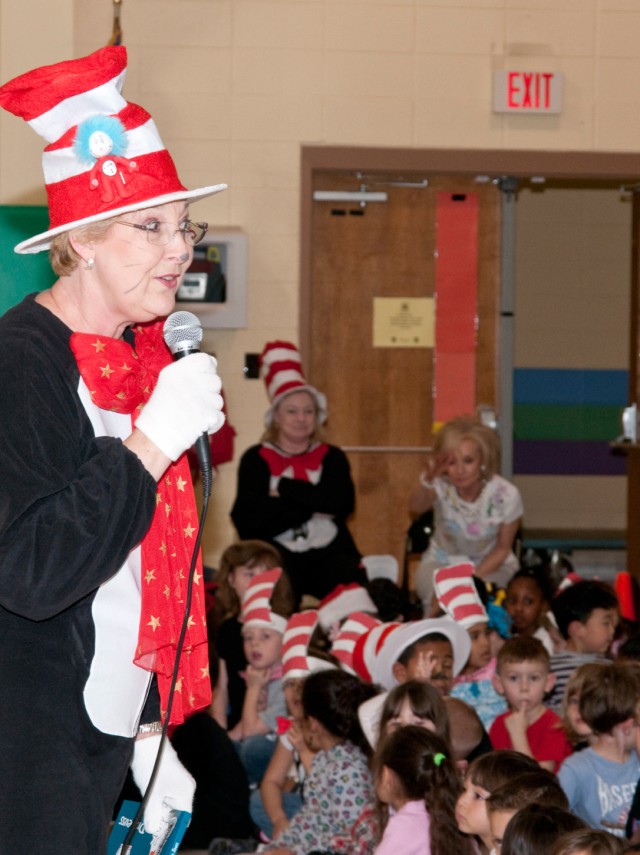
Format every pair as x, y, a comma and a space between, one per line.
127, 843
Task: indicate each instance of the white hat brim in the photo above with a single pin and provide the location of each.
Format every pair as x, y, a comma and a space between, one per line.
369, 715
406, 634
40, 242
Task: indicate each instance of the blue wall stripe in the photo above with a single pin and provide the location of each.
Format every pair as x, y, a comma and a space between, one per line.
570, 386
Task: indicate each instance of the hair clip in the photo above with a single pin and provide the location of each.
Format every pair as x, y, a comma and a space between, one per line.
438, 758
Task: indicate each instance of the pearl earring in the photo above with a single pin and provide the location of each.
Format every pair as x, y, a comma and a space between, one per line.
88, 264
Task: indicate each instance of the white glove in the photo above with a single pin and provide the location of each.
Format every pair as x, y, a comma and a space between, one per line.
173, 787
185, 404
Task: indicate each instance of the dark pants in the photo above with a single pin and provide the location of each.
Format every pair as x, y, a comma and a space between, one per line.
58, 796
59, 776
318, 571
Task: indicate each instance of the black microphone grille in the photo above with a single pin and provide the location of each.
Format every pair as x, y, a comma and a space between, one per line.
182, 331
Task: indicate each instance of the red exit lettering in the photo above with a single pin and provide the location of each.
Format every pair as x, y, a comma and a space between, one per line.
529, 90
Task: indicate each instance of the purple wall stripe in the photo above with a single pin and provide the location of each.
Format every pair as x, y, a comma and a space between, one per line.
553, 457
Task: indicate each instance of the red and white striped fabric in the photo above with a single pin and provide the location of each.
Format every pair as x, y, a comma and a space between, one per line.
393, 644
342, 602
457, 594
296, 661
281, 370
256, 603
129, 170
357, 625
369, 647
570, 579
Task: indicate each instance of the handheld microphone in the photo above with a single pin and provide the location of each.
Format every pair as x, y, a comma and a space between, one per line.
182, 334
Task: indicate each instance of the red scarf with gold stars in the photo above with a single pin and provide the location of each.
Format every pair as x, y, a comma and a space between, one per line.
121, 379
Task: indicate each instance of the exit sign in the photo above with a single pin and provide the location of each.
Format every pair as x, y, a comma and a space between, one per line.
527, 91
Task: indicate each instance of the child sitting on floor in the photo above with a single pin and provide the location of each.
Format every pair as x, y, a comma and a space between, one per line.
239, 563
532, 788
577, 731
280, 793
417, 703
417, 781
588, 841
262, 629
457, 595
484, 776
432, 650
600, 781
534, 829
527, 599
522, 676
339, 788
587, 615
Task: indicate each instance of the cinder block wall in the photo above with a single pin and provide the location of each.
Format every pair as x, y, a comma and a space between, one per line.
236, 86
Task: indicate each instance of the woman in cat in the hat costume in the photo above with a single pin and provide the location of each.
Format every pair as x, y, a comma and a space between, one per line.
294, 490
97, 514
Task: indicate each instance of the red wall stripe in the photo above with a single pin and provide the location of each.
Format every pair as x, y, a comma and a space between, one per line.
456, 315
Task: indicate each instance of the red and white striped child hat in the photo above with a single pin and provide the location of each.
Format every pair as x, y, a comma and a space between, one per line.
457, 594
342, 601
353, 630
369, 647
256, 603
104, 156
393, 644
296, 661
281, 370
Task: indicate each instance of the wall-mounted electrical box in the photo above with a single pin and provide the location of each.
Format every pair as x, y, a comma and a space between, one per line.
215, 286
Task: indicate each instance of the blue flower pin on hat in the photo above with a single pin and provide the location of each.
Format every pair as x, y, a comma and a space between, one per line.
104, 155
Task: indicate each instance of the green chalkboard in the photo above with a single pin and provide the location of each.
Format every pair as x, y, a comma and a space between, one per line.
22, 274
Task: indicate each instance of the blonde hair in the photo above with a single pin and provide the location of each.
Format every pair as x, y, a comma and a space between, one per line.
468, 427
63, 257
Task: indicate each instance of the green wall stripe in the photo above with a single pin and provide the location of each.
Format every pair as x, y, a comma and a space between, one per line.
566, 421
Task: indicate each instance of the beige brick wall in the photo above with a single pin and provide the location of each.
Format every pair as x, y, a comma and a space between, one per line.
236, 86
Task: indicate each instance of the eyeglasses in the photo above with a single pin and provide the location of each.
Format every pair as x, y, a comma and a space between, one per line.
160, 234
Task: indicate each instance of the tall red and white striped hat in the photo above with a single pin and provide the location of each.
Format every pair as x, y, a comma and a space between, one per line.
256, 603
296, 661
457, 594
352, 631
104, 156
281, 370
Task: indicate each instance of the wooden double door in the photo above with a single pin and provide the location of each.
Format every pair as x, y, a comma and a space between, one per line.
381, 399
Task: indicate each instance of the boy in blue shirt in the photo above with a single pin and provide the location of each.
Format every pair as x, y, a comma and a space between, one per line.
600, 781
